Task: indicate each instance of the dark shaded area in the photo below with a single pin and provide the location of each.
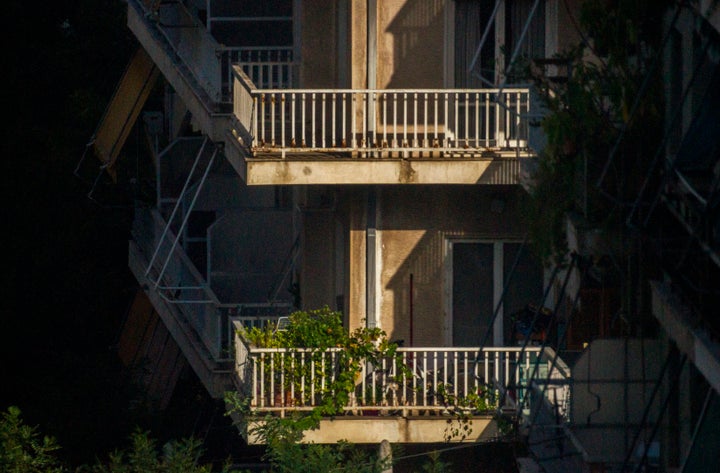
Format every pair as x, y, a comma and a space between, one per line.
65, 282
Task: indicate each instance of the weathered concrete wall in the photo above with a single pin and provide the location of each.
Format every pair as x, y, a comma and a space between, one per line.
318, 277
318, 44
357, 271
410, 43
414, 224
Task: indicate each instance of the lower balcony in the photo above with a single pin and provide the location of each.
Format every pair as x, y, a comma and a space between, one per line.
420, 395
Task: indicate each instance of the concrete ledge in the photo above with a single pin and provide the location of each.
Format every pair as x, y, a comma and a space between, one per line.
375, 429
382, 171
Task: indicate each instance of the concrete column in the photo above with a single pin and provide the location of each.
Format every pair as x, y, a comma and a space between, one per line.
356, 244
371, 260
385, 457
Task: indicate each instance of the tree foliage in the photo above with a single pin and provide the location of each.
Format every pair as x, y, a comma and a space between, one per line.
318, 331
592, 109
23, 449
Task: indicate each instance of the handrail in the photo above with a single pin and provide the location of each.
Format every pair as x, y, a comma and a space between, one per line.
406, 121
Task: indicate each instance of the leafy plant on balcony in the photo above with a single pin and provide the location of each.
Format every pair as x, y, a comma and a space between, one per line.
309, 378
463, 407
588, 111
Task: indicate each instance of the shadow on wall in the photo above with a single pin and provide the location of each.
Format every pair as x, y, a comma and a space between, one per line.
417, 43
415, 226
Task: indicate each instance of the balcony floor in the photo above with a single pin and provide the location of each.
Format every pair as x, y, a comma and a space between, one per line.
386, 167
374, 429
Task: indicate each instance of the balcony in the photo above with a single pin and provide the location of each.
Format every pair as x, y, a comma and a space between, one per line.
410, 398
349, 136
277, 134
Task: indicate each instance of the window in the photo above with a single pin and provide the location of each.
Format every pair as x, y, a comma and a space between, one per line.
471, 18
479, 272
533, 44
475, 66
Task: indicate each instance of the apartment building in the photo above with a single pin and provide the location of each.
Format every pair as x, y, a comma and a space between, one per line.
360, 155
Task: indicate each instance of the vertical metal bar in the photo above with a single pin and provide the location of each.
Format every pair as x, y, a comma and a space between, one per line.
497, 367
395, 127
456, 124
415, 120
498, 126
333, 105
405, 122
282, 121
454, 370
312, 120
506, 362
257, 387
323, 123
353, 129
343, 139
447, 120
426, 144
465, 373
403, 378
383, 97
487, 119
364, 137
262, 114
477, 119
425, 380
435, 114
272, 379
293, 138
303, 106
508, 118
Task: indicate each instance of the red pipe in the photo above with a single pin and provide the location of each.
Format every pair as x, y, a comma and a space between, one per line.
411, 309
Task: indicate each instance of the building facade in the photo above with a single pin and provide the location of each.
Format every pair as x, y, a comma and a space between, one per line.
366, 156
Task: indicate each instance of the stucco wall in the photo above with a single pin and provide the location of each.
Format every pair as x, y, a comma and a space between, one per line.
410, 43
318, 44
414, 225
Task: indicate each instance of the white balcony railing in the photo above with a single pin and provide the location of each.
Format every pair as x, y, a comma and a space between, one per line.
433, 377
379, 121
268, 67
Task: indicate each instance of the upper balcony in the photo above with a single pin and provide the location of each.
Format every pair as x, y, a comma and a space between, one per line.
384, 136
278, 134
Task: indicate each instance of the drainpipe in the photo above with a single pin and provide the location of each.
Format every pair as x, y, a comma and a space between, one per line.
371, 63
411, 309
370, 258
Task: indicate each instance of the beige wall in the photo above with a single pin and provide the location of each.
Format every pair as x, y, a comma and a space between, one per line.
409, 43
415, 226
414, 223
